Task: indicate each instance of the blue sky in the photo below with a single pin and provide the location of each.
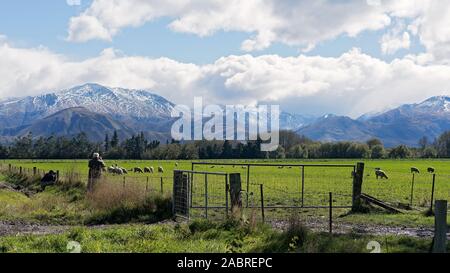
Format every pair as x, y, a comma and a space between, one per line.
44, 23
230, 51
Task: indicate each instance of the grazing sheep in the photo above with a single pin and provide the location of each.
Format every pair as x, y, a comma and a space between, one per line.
381, 174
176, 164
119, 171
414, 170
431, 170
160, 169
152, 170
124, 171
138, 170
147, 170
111, 169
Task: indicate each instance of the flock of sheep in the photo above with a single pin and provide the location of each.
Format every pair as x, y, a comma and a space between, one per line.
380, 174
121, 171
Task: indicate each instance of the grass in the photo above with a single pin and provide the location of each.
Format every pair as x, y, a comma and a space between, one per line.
66, 203
207, 237
282, 186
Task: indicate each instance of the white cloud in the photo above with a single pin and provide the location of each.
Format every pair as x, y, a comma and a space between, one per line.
397, 38
301, 23
353, 83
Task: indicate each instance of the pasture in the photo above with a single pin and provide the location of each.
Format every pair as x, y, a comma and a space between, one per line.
284, 187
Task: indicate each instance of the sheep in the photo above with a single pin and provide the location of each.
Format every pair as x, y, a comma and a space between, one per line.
118, 171
176, 164
431, 170
381, 174
147, 170
160, 169
124, 171
414, 170
138, 170
111, 169
152, 170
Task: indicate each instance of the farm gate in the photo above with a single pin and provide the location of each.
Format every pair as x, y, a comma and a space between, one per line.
263, 195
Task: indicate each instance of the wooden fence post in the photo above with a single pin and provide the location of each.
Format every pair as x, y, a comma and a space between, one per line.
34, 171
303, 186
248, 183
57, 176
331, 213
432, 193
357, 186
162, 185
440, 227
206, 196
227, 190
263, 215
235, 191
412, 190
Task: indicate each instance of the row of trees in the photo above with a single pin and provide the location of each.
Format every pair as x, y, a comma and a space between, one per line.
291, 146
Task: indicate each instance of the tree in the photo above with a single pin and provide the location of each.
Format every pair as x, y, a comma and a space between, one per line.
227, 150
423, 142
358, 150
378, 152
3, 152
374, 142
107, 143
429, 152
115, 140
297, 152
22, 148
401, 151
443, 145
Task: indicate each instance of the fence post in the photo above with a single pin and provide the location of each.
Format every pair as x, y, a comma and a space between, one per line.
263, 215
206, 196
34, 171
303, 186
57, 176
248, 183
162, 185
235, 191
440, 227
227, 189
20, 170
432, 193
357, 187
146, 186
331, 213
412, 189
124, 182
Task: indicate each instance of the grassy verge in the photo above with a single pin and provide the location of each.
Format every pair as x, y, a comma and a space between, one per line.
206, 237
67, 203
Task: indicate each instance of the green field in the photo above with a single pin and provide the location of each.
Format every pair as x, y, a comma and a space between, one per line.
283, 186
69, 206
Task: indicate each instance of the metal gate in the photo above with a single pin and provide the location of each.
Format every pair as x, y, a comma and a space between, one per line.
199, 191
181, 194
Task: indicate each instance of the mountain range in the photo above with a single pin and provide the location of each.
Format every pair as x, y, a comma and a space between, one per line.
403, 125
98, 110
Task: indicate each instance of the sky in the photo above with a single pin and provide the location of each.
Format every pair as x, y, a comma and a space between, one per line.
346, 57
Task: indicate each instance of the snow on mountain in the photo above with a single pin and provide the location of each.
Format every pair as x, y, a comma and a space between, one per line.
116, 102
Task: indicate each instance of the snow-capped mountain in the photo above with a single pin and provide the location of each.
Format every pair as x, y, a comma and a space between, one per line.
403, 125
119, 103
